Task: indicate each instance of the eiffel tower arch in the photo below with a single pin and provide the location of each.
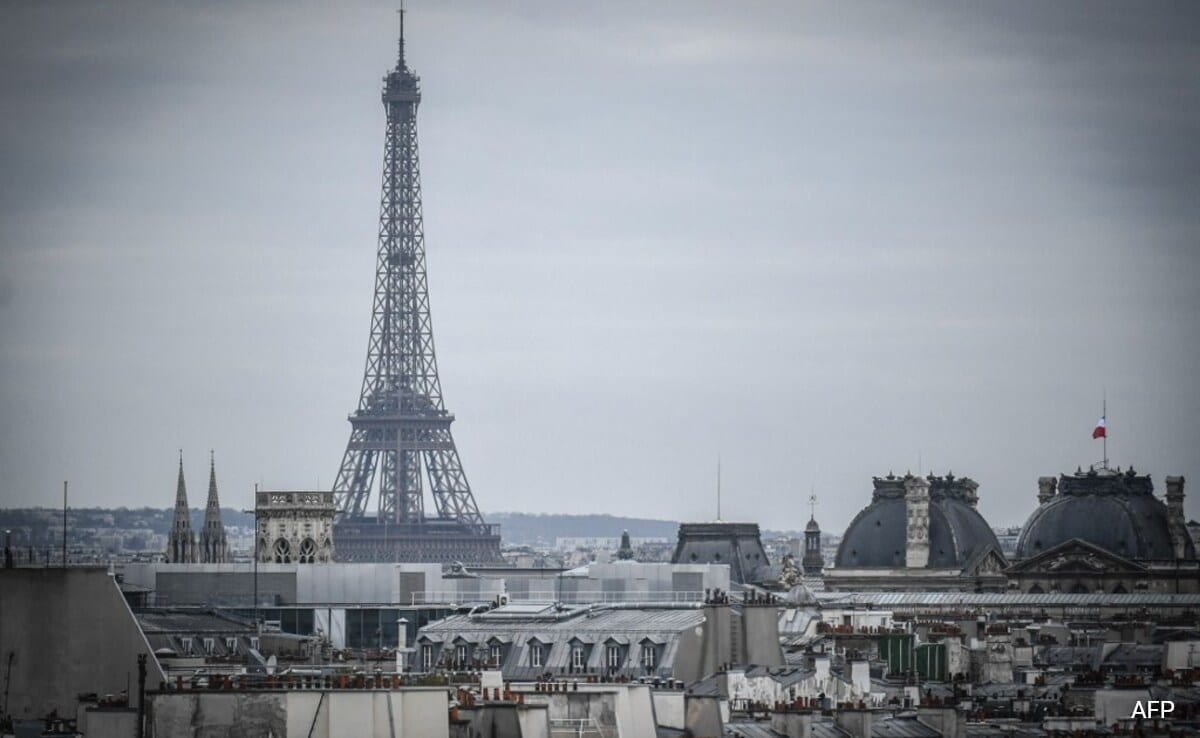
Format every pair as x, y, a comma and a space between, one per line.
400, 433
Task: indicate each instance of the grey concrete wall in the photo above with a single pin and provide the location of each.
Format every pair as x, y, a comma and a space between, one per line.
70, 631
408, 713
760, 629
717, 649
230, 587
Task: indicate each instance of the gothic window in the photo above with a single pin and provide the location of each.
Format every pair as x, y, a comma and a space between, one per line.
308, 551
283, 551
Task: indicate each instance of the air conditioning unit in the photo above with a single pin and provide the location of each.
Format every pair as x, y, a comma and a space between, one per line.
502, 599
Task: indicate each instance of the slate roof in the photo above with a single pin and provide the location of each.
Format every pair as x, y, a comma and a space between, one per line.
875, 539
902, 727
1117, 512
1004, 599
559, 628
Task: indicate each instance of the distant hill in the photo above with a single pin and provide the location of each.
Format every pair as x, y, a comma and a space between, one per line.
530, 528
34, 525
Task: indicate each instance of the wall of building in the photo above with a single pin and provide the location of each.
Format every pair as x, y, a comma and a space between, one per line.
414, 713
70, 631
670, 709
400, 584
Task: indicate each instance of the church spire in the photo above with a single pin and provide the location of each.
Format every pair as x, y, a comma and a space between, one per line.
181, 504
214, 548
181, 543
212, 509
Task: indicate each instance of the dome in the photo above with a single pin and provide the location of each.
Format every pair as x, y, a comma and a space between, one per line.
812, 526
876, 538
1112, 510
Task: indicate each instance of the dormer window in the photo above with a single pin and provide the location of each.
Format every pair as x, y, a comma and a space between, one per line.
649, 656
612, 656
578, 657
495, 655
536, 654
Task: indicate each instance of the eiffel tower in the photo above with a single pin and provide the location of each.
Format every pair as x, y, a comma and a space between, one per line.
400, 432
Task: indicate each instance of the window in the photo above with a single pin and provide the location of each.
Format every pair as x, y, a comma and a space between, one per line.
209, 645
535, 654
495, 653
460, 655
427, 657
231, 645
649, 655
612, 656
308, 551
283, 551
578, 657
254, 642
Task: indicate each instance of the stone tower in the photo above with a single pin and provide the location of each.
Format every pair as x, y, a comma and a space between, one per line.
625, 552
181, 543
1047, 487
214, 548
296, 527
1176, 524
916, 507
813, 562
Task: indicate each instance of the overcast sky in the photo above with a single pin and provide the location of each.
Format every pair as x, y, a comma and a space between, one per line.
819, 241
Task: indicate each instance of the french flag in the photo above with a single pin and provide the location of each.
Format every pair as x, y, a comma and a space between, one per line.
1099, 432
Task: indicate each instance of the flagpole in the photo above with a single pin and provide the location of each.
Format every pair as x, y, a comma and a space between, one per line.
1104, 414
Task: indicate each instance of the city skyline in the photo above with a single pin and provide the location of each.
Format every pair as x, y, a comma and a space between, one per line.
799, 240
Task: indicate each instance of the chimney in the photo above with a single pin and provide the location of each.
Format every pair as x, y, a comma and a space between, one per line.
916, 506
821, 665
856, 722
945, 720
1047, 486
401, 645
1175, 519
792, 723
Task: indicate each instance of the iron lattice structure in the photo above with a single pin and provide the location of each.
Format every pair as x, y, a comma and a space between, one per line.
400, 432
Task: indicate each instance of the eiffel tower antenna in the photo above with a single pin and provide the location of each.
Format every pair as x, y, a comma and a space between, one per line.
400, 432
400, 59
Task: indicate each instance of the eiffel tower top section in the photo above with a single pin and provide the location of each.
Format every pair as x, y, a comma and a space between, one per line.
401, 85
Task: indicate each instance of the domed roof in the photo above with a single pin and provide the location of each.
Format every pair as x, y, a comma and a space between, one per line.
876, 537
812, 526
1115, 511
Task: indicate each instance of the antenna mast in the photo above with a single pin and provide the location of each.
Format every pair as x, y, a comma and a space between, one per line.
400, 63
718, 488
1104, 416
